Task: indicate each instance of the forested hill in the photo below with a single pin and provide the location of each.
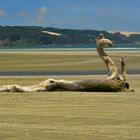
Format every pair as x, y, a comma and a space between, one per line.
32, 35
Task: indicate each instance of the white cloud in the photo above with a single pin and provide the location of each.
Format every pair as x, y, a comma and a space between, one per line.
37, 17
2, 13
43, 10
41, 14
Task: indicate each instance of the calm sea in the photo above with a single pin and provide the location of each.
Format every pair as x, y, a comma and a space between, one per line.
71, 47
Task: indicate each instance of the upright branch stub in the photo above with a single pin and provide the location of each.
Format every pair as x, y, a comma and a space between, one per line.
123, 70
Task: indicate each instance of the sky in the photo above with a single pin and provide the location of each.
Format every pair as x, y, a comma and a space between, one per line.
109, 15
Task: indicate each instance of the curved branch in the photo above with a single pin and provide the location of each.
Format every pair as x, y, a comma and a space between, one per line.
112, 68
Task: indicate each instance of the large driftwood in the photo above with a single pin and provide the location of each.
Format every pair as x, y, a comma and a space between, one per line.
77, 85
113, 83
86, 85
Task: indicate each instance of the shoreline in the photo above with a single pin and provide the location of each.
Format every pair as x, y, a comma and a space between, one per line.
69, 49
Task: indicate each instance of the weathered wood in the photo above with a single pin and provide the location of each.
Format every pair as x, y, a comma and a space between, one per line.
77, 85
88, 85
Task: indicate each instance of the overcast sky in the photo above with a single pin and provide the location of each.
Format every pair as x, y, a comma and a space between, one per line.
111, 15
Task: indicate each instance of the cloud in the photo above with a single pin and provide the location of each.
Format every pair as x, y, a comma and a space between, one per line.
41, 14
43, 10
2, 13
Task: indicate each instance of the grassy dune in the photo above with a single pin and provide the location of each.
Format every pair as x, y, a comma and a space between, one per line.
63, 60
69, 115
125, 33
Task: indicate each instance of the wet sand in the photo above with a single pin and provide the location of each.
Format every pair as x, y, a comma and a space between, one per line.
54, 61
61, 72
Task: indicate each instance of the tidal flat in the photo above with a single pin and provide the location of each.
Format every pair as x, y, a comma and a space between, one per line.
68, 115
64, 60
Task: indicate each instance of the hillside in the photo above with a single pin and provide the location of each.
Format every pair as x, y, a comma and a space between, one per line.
33, 35
125, 33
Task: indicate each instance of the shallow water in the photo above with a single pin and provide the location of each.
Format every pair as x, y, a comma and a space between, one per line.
91, 46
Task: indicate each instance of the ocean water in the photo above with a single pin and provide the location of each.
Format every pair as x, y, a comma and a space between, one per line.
72, 47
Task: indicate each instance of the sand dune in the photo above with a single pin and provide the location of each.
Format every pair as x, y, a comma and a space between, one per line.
125, 32
51, 33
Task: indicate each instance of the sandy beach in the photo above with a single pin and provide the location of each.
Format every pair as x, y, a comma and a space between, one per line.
69, 70
68, 115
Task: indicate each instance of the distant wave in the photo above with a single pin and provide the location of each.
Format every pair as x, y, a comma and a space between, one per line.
124, 48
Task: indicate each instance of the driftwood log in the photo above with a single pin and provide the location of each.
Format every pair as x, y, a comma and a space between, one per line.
114, 82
